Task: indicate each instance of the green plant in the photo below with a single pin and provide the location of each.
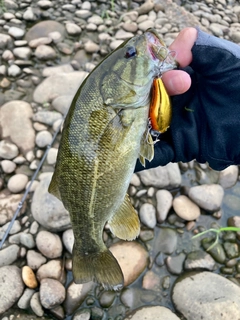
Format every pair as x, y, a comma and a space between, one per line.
217, 231
2, 6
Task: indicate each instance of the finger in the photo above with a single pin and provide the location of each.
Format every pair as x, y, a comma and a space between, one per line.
176, 82
183, 44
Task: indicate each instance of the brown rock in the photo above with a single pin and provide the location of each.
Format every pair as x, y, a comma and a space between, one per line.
29, 278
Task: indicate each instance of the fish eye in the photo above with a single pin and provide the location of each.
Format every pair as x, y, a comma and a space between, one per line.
131, 52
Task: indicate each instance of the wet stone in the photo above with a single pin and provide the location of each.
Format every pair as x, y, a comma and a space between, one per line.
83, 314
185, 208
175, 264
166, 282
199, 260
106, 299
151, 281
231, 249
217, 252
228, 177
166, 241
152, 312
68, 239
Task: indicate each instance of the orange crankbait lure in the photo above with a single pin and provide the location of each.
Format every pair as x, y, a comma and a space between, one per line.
160, 113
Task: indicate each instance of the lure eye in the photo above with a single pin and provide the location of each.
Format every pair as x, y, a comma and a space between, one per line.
131, 52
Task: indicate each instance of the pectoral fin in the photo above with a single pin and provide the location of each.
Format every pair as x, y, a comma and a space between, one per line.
125, 223
146, 148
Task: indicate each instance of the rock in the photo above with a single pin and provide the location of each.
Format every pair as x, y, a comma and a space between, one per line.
123, 35
83, 314
16, 32
52, 293
60, 84
47, 209
24, 301
228, 177
62, 103
132, 258
17, 183
36, 304
175, 264
26, 239
47, 117
164, 203
8, 207
8, 150
50, 71
162, 177
185, 208
52, 269
29, 278
73, 29
39, 41
14, 70
147, 214
5, 40
8, 166
143, 26
83, 14
166, 241
106, 299
151, 281
49, 244
29, 15
8, 255
204, 299
52, 156
45, 52
43, 29
75, 295
22, 53
95, 19
68, 239
35, 259
130, 26
208, 197
152, 312
43, 139
16, 227
16, 123
91, 47
146, 7
11, 287
199, 260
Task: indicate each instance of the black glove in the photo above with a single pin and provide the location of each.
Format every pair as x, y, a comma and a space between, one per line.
206, 119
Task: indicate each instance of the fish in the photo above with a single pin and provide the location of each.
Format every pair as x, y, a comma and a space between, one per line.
105, 131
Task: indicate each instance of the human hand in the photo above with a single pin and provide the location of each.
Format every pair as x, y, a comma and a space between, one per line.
206, 104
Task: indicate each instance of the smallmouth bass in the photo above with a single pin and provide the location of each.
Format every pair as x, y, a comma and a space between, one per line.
105, 131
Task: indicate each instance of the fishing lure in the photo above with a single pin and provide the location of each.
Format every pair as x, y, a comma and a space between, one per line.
160, 112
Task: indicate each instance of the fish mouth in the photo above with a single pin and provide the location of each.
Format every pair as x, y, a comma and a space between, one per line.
159, 52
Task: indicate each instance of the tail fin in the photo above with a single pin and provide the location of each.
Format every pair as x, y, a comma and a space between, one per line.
100, 267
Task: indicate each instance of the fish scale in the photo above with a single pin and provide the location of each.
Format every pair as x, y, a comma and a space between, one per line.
105, 131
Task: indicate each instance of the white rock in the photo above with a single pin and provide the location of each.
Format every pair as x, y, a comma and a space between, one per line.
43, 139
52, 293
185, 208
17, 183
86, 5
143, 26
208, 197
5, 40
73, 29
164, 203
14, 70
24, 301
45, 4
64, 68
11, 287
29, 15
22, 52
39, 41
68, 239
35, 259
147, 214
83, 14
52, 156
91, 47
44, 52
123, 35
228, 177
8, 255
8, 166
52, 269
16, 33
49, 244
7, 55
152, 312
95, 19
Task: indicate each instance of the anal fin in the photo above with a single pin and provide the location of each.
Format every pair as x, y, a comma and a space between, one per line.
125, 222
